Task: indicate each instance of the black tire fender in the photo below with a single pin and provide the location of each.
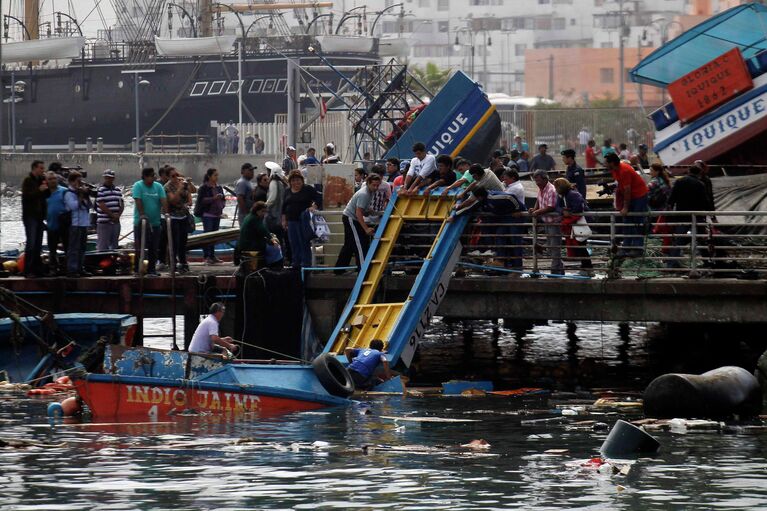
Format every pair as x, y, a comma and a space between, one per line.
333, 375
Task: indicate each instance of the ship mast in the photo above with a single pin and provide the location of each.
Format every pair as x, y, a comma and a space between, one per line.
206, 18
32, 18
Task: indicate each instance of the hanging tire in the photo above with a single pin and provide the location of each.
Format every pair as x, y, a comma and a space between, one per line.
333, 375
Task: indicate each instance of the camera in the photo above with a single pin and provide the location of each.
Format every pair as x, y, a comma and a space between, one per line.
62, 171
608, 188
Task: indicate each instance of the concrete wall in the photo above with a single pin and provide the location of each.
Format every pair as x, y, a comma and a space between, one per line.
127, 166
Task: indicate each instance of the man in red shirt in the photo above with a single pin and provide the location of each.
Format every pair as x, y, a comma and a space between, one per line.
630, 197
592, 161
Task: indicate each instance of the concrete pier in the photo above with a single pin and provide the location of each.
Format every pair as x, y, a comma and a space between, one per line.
667, 300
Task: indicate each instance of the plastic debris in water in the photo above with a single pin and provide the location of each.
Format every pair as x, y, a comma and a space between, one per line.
678, 426
477, 444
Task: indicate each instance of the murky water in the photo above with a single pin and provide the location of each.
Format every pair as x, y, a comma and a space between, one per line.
316, 460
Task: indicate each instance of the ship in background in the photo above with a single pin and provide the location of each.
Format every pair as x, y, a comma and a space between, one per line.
177, 60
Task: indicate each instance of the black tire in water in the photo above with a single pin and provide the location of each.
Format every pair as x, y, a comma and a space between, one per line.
333, 375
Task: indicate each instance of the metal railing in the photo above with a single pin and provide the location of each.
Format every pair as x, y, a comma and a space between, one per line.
642, 245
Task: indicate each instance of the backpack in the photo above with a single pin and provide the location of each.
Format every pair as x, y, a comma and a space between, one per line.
202, 192
658, 196
320, 227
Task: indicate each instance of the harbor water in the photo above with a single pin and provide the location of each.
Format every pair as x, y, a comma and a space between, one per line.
321, 460
357, 458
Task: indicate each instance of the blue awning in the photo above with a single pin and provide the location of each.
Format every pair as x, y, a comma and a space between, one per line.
744, 27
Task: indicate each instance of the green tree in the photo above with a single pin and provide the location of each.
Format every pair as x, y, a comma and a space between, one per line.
431, 76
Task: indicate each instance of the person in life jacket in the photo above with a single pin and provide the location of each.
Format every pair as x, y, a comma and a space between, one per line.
364, 363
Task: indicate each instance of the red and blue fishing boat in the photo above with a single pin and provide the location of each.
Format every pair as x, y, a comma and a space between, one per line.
147, 383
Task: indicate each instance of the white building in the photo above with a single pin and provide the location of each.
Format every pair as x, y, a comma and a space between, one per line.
499, 31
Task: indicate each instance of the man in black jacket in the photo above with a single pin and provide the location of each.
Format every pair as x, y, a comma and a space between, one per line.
688, 194
34, 193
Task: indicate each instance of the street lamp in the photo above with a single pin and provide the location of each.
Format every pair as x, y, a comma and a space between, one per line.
137, 81
457, 46
472, 37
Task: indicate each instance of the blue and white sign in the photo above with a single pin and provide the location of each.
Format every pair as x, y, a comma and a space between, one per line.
711, 131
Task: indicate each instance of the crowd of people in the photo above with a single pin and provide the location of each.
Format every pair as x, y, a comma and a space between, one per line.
276, 208
495, 191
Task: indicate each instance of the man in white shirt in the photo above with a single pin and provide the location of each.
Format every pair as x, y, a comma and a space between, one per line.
512, 184
206, 334
422, 166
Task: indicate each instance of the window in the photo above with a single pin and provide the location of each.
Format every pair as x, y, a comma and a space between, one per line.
424, 3
608, 44
443, 5
609, 20
519, 49
542, 23
485, 2
443, 26
216, 88
431, 50
606, 75
572, 22
559, 23
388, 3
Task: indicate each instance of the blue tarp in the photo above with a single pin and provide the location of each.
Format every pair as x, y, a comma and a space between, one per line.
744, 27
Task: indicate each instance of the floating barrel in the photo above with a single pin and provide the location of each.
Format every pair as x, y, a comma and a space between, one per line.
721, 392
626, 440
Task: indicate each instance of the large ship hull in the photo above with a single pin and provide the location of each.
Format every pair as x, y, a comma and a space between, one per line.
97, 99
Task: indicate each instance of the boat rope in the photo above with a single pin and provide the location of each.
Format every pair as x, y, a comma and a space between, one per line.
245, 318
272, 351
47, 376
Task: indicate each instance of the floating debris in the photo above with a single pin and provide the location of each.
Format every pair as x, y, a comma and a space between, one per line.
6, 386
477, 444
19, 443
426, 419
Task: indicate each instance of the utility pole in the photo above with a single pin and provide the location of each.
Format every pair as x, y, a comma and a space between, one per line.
239, 79
484, 64
621, 52
473, 51
639, 59
294, 101
551, 76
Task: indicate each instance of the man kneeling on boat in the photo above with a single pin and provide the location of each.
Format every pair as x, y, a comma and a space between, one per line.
206, 335
363, 364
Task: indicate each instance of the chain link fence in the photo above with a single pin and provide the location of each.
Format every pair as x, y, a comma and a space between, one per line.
560, 128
